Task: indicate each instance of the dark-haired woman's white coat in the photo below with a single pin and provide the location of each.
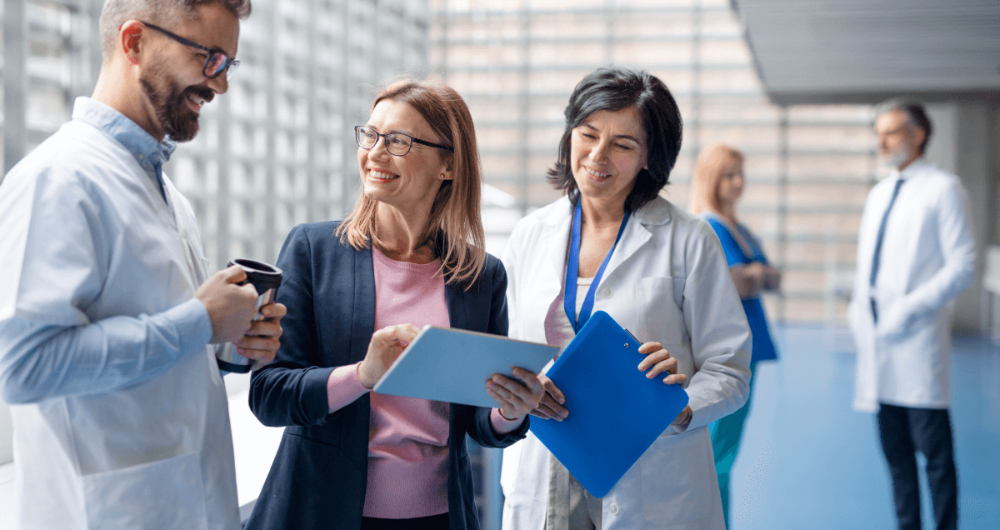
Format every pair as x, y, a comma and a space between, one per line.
667, 281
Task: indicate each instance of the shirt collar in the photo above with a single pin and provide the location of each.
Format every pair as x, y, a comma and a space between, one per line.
911, 169
150, 154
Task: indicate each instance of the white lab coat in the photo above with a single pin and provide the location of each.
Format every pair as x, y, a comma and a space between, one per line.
154, 455
668, 282
928, 257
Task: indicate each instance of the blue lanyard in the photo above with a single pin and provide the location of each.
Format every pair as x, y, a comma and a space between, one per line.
573, 270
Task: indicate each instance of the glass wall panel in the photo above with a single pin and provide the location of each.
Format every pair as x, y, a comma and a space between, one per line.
808, 168
278, 148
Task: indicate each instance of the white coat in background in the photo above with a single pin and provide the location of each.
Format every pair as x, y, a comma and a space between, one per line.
928, 257
155, 455
668, 282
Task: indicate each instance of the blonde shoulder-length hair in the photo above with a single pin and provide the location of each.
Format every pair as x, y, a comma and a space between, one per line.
708, 172
455, 227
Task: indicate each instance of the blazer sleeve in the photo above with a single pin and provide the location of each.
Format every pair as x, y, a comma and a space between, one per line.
481, 429
292, 389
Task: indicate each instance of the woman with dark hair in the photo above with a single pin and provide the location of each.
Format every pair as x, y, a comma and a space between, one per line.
615, 245
716, 187
410, 254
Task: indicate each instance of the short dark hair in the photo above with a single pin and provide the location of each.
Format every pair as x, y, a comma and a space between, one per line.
915, 114
613, 89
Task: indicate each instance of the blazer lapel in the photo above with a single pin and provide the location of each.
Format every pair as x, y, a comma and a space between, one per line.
458, 306
363, 315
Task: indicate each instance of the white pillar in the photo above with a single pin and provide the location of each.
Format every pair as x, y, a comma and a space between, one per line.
964, 142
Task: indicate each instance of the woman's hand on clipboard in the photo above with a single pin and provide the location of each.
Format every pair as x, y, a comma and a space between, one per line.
661, 362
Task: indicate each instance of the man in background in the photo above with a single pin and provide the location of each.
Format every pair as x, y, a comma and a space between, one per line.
916, 253
107, 313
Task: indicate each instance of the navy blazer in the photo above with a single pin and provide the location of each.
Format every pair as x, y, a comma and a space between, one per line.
319, 476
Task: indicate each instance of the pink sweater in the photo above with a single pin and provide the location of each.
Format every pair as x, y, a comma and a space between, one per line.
408, 437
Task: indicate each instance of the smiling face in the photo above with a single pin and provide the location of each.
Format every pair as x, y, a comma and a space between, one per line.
607, 151
172, 80
409, 182
731, 183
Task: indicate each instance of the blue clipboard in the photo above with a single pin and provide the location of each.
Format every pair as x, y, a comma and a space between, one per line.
452, 365
615, 413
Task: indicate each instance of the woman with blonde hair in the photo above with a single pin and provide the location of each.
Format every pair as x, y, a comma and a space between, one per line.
410, 254
717, 186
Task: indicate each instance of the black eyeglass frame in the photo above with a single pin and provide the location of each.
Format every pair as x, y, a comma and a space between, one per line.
357, 138
230, 66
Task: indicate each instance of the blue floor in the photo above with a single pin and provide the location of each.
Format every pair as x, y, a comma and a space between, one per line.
809, 461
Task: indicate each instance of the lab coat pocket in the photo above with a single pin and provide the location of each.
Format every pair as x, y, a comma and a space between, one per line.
660, 310
677, 479
164, 494
894, 319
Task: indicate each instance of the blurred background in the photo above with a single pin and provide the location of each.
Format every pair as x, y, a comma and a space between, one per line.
789, 83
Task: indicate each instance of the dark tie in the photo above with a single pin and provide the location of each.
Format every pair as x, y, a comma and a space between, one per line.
878, 243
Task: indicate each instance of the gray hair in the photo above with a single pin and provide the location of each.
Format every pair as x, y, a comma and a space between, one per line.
916, 116
159, 12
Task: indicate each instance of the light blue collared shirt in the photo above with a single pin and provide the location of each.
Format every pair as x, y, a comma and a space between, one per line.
150, 154
63, 213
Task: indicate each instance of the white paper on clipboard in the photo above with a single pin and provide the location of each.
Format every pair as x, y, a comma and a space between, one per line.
452, 365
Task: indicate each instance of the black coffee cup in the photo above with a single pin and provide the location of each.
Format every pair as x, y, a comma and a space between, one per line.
266, 279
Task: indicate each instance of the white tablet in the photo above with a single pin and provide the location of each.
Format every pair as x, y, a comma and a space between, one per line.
452, 365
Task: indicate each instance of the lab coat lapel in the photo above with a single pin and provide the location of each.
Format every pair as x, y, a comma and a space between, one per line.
636, 233
548, 275
552, 264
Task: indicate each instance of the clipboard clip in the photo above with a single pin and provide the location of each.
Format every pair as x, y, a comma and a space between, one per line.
631, 335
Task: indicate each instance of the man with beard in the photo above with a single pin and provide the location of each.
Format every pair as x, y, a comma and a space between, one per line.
107, 314
916, 253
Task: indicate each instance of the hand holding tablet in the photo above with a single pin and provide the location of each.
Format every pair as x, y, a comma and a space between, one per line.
517, 397
453, 366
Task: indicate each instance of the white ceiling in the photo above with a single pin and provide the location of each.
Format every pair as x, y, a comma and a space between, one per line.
865, 50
